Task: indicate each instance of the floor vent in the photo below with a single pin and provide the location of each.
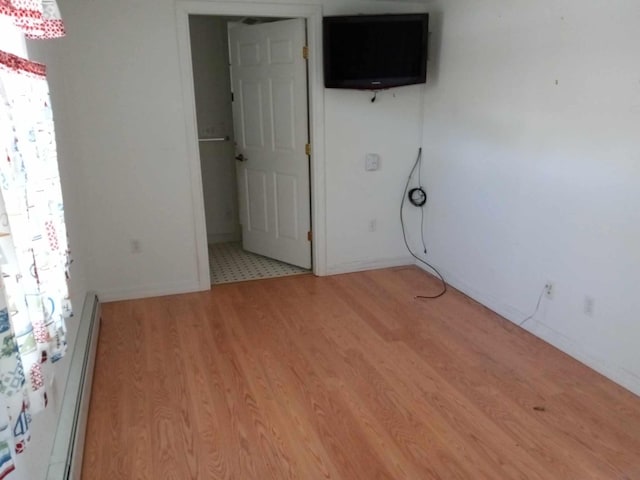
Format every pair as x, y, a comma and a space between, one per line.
66, 456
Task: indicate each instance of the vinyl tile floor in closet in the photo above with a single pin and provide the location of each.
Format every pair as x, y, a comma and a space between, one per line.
229, 263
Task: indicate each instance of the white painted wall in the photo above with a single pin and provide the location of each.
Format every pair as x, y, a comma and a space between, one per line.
209, 51
533, 166
33, 463
355, 126
126, 127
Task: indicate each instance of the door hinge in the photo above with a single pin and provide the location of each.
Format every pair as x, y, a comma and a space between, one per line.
307, 149
309, 235
305, 52
232, 98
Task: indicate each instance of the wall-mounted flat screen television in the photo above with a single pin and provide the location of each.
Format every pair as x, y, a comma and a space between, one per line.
373, 52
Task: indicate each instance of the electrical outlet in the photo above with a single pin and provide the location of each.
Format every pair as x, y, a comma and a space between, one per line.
549, 290
588, 305
373, 225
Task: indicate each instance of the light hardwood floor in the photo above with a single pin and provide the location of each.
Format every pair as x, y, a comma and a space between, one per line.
345, 377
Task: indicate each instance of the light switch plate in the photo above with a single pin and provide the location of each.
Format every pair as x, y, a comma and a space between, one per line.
371, 162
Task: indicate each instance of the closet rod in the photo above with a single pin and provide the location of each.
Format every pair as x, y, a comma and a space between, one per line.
214, 139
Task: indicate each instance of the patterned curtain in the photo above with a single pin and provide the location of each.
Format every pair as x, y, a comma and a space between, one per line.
36, 18
34, 257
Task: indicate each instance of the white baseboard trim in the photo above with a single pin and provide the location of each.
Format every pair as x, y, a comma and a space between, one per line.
361, 265
613, 372
543, 331
160, 290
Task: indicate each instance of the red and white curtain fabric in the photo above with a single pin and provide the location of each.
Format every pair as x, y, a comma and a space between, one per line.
34, 256
36, 18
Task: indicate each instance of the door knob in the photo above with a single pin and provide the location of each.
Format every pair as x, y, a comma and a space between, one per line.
241, 158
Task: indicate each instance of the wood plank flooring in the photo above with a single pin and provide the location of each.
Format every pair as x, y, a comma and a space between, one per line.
345, 377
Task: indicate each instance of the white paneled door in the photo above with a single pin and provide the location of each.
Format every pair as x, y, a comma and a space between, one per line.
269, 82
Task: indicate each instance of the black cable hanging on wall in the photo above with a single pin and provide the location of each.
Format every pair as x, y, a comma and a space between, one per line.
418, 197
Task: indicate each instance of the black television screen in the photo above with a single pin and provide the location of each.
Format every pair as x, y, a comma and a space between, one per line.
375, 51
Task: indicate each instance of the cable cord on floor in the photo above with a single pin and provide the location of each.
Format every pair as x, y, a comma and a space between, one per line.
417, 165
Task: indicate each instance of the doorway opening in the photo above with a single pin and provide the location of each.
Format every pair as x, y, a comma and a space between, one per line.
251, 104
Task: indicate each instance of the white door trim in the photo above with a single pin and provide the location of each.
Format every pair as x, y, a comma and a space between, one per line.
313, 15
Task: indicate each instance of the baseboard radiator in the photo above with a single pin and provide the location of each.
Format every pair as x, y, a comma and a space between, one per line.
66, 455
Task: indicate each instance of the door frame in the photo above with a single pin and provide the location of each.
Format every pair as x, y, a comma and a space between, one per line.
315, 92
